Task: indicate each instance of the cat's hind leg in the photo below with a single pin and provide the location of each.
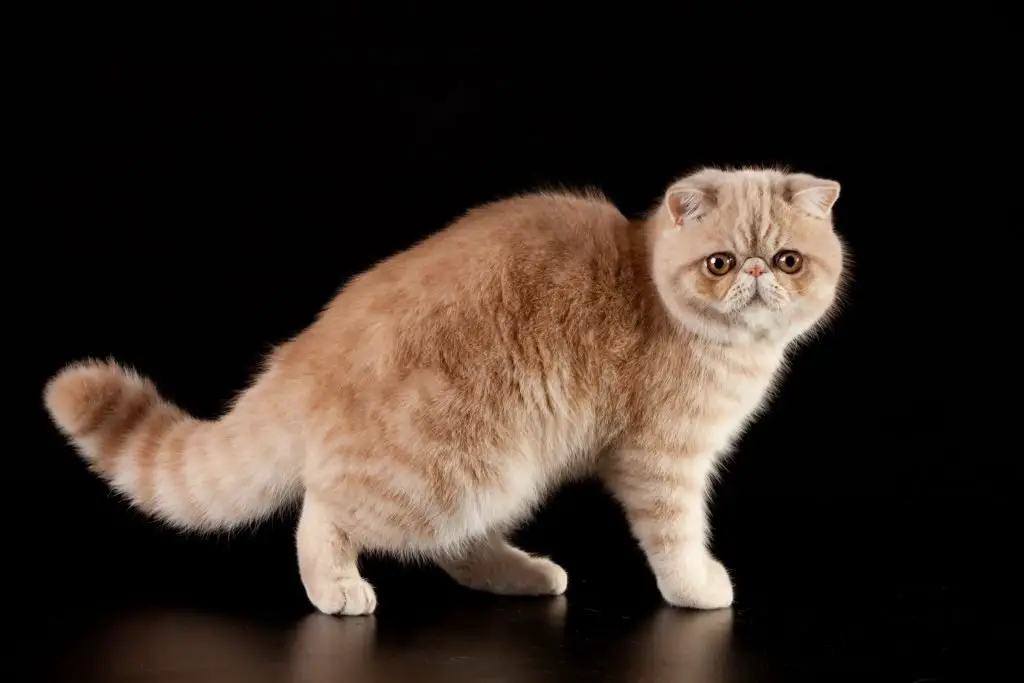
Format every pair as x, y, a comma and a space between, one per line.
327, 563
494, 565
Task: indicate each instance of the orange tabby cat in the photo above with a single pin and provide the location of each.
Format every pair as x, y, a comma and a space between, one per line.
444, 392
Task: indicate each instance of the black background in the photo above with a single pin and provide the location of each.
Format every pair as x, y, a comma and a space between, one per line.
199, 185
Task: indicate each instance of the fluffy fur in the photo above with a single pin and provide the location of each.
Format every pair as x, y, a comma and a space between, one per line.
442, 394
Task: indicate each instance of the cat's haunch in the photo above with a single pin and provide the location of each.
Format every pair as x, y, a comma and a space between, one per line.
443, 393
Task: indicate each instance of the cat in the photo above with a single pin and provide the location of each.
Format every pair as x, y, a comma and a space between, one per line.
442, 394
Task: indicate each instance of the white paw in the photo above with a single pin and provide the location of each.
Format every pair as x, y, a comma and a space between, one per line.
544, 577
707, 586
349, 596
528, 576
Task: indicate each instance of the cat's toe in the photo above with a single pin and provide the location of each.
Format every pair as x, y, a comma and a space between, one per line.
547, 577
351, 596
538, 576
708, 589
526, 576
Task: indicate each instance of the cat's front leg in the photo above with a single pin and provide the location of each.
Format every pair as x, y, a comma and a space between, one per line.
664, 496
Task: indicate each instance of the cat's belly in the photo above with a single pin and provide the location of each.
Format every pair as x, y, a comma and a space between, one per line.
516, 484
506, 500
544, 443
437, 496
426, 467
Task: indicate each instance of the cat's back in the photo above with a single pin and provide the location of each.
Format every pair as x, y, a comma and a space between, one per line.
522, 230
545, 215
517, 249
534, 271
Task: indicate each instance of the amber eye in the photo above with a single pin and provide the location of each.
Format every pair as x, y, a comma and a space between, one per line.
789, 261
720, 263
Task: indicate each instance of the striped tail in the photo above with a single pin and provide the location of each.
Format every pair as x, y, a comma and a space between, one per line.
193, 474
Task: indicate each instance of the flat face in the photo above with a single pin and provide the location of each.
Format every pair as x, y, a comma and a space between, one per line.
745, 257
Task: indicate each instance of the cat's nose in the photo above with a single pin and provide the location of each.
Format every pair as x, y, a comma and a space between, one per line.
756, 270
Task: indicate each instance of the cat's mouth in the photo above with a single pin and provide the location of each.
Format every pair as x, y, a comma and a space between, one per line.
766, 304
761, 304
757, 299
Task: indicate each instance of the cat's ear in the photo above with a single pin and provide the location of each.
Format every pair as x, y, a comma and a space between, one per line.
686, 203
815, 196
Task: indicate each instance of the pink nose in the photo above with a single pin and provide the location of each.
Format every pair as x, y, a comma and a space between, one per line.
756, 271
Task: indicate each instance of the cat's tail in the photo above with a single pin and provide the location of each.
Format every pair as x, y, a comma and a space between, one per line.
194, 474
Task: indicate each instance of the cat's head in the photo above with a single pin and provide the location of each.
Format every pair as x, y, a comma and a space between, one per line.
747, 255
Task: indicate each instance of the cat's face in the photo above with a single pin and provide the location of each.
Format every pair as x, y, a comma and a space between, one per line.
748, 255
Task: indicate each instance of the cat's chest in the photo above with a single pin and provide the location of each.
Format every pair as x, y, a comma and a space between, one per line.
731, 404
718, 397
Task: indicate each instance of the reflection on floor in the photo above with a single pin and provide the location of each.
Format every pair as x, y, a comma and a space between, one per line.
519, 642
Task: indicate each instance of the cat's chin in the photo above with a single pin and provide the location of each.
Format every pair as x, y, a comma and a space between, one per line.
761, 309
753, 309
760, 317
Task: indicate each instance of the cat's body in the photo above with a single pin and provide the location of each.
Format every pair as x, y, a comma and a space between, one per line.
444, 392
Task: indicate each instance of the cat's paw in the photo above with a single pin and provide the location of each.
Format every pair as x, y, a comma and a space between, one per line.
526, 576
705, 587
540, 576
350, 596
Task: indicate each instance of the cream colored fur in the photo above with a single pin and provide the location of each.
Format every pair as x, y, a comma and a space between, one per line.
443, 393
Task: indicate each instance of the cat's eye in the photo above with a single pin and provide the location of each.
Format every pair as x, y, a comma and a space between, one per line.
789, 261
721, 263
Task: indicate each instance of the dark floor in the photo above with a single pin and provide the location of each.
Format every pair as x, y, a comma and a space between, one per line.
827, 591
